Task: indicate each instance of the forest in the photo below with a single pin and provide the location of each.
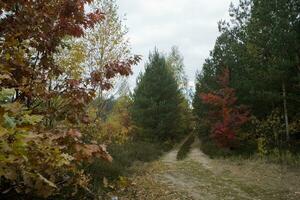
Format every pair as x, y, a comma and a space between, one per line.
72, 126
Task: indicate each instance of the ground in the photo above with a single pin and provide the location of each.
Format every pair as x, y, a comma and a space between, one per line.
201, 178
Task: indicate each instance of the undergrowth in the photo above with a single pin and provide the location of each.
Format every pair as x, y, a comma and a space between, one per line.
124, 157
185, 147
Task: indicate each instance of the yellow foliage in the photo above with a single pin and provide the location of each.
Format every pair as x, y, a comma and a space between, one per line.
117, 127
72, 60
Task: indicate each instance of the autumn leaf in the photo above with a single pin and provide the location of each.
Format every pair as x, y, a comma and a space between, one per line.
13, 107
226, 117
74, 133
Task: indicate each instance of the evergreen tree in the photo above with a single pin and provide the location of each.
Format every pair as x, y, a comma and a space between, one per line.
176, 65
260, 47
156, 107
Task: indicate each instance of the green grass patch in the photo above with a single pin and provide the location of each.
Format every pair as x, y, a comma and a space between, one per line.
185, 147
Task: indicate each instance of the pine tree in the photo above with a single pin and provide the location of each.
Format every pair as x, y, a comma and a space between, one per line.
156, 107
261, 47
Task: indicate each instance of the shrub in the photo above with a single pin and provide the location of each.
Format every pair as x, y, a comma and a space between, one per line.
125, 156
185, 147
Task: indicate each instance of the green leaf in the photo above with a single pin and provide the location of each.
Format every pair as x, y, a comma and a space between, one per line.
9, 122
5, 94
31, 119
13, 107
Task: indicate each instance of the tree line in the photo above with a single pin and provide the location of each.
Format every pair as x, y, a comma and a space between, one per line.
70, 127
257, 53
64, 100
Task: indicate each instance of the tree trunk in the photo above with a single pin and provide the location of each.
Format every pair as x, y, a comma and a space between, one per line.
285, 112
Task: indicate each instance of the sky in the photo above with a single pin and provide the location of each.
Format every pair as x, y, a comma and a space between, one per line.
189, 24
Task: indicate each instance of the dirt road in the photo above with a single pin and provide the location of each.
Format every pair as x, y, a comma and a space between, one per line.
201, 178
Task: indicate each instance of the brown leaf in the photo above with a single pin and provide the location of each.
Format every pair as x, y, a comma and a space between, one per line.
74, 133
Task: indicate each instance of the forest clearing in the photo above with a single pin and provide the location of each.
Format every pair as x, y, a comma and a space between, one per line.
149, 100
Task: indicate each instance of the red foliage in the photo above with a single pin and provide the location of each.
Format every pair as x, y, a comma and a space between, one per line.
226, 116
123, 68
30, 33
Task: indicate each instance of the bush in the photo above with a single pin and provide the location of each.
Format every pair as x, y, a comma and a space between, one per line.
124, 156
282, 157
185, 147
247, 150
211, 149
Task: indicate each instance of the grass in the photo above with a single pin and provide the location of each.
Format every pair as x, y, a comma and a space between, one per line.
185, 147
227, 179
199, 177
248, 150
124, 157
229, 176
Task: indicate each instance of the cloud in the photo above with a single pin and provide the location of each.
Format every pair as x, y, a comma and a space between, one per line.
189, 24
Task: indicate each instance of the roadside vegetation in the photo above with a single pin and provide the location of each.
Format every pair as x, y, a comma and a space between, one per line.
247, 94
185, 147
72, 128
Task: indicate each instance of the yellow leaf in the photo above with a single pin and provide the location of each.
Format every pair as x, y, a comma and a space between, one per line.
3, 131
7, 56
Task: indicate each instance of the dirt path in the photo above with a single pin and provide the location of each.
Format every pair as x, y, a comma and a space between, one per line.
201, 178
207, 179
195, 176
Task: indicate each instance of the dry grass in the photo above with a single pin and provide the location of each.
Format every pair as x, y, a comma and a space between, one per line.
199, 177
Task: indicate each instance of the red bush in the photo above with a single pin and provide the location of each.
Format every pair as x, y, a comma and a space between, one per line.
226, 117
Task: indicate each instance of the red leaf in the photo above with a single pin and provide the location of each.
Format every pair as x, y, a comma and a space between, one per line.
226, 117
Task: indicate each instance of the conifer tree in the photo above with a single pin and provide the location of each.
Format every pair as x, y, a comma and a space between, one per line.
261, 47
156, 107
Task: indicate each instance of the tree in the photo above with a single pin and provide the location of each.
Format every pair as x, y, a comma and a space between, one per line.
107, 40
225, 116
118, 126
276, 47
176, 66
260, 46
175, 62
156, 101
43, 102
205, 83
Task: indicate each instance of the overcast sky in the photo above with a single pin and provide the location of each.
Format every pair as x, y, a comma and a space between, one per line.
189, 24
